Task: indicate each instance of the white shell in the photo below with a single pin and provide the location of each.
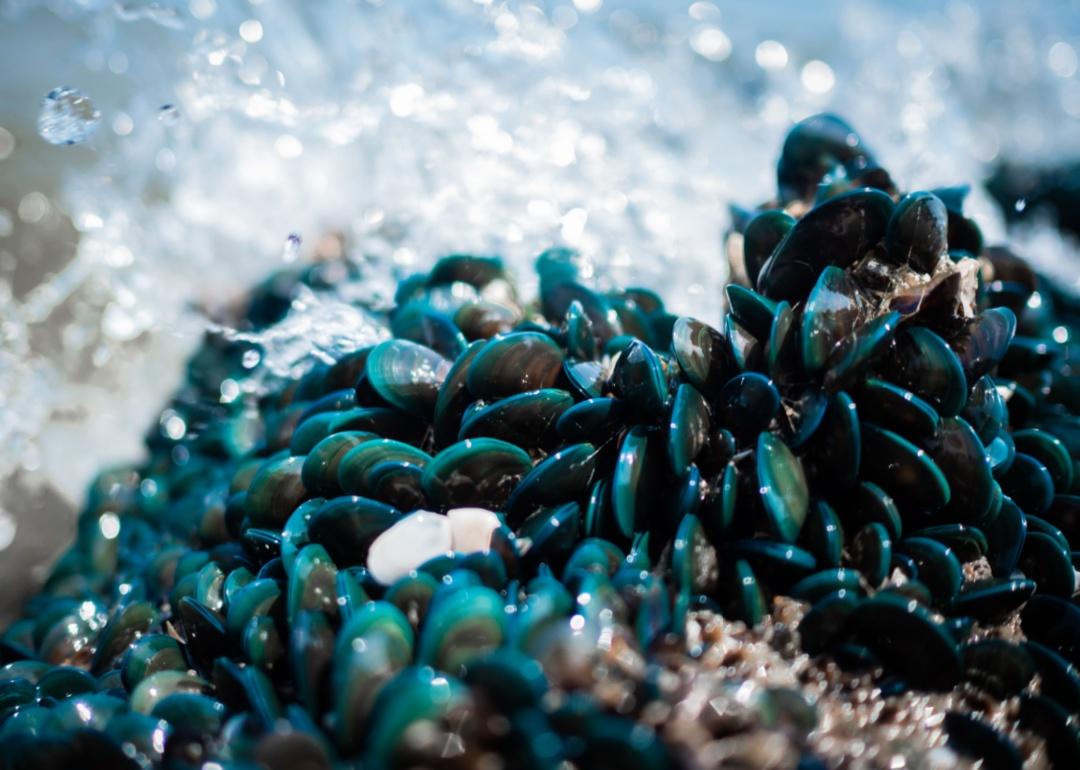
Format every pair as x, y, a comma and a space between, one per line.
408, 544
471, 528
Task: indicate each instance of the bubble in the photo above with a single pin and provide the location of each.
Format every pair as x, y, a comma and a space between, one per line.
251, 31
110, 526
122, 124
7, 143
288, 146
1062, 59
817, 77
33, 207
404, 99
118, 63
173, 425
712, 43
67, 116
771, 55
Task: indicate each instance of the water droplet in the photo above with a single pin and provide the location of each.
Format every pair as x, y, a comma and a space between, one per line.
251, 31
771, 55
817, 77
67, 116
711, 43
292, 247
172, 425
169, 114
1021, 204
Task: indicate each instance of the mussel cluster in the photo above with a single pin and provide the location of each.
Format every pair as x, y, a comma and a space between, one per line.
511, 533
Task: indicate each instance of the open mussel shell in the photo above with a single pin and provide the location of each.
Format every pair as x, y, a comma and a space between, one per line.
836, 232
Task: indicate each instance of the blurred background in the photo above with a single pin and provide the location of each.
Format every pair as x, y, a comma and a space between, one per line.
204, 143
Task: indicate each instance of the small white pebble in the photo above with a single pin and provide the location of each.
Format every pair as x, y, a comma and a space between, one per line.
408, 544
471, 528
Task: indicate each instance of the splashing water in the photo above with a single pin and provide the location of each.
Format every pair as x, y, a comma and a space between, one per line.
390, 137
67, 116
